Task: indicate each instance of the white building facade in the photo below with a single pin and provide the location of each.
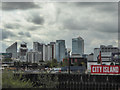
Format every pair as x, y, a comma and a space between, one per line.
106, 52
34, 57
90, 57
48, 51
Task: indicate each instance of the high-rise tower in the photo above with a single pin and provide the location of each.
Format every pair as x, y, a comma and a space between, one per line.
12, 49
60, 50
78, 46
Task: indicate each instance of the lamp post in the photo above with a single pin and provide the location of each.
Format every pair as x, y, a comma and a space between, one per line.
69, 62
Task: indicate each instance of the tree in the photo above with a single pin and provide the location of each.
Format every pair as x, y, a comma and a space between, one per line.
7, 60
75, 64
48, 64
112, 63
65, 62
83, 64
54, 63
34, 64
60, 64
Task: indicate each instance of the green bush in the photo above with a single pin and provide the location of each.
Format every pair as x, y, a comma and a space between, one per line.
47, 81
10, 81
7, 60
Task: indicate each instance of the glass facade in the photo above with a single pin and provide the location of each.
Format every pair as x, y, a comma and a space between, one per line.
78, 46
60, 50
12, 49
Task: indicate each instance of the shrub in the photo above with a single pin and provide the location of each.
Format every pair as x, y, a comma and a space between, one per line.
11, 81
47, 81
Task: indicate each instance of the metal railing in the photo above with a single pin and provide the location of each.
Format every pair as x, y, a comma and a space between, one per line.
83, 81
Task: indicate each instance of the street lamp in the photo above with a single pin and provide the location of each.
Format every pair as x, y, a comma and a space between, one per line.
69, 62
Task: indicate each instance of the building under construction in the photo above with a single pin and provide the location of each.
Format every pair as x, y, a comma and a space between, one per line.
23, 51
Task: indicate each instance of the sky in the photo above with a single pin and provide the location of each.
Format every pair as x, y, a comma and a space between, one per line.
95, 22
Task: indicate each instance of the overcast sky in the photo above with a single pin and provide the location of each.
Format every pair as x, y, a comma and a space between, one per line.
96, 23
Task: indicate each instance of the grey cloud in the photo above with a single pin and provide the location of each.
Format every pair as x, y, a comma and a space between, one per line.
72, 24
109, 29
33, 28
104, 20
84, 18
110, 7
92, 4
89, 23
104, 36
27, 34
11, 26
96, 19
18, 5
106, 27
21, 33
36, 19
6, 34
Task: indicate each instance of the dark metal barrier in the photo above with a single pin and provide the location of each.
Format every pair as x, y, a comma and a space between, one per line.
81, 81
